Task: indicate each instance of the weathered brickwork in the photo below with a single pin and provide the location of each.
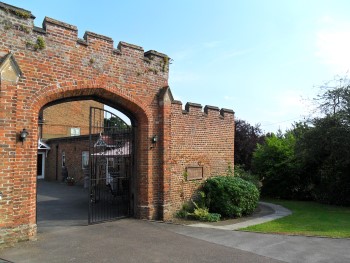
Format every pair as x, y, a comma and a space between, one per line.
54, 66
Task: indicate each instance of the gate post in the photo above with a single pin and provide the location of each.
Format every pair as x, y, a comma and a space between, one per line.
8, 92
165, 100
17, 187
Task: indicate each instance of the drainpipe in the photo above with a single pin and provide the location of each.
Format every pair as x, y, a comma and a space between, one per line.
56, 162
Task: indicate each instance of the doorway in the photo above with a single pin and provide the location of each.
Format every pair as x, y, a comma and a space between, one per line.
40, 174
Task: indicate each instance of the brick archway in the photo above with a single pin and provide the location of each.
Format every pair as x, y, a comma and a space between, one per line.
25, 169
193, 141
132, 107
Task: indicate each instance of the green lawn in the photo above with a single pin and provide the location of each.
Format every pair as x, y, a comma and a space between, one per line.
308, 218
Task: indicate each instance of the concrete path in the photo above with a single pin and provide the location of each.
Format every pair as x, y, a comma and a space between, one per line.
65, 237
278, 212
282, 247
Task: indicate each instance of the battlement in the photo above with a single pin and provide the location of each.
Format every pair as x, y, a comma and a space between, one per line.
20, 12
197, 109
56, 31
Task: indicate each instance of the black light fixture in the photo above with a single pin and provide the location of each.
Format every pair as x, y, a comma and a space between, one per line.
23, 135
154, 139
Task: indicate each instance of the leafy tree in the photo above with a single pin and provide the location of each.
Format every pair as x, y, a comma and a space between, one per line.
334, 99
311, 160
278, 169
325, 150
280, 165
115, 124
246, 139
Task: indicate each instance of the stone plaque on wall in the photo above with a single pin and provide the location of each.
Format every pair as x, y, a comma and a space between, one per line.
194, 173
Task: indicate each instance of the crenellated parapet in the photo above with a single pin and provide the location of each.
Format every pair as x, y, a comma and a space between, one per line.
57, 32
196, 109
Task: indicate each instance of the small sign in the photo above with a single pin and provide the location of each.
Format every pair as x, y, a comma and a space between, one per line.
194, 173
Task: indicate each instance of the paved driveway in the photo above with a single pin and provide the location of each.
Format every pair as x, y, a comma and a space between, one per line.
65, 237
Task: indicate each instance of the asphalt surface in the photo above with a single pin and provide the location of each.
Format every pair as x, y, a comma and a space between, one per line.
64, 236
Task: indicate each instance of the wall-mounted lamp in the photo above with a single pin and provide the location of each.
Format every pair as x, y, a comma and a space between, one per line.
154, 139
23, 135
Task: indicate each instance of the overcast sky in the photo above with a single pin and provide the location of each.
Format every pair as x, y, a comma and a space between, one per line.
263, 59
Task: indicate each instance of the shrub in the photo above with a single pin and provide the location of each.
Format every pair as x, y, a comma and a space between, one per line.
202, 214
230, 196
198, 212
185, 210
247, 176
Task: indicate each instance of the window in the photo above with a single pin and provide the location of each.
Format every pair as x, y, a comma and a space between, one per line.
74, 131
63, 159
85, 159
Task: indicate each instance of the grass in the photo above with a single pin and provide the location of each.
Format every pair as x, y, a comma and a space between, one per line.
309, 219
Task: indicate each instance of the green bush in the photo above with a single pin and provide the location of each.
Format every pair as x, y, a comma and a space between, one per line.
230, 196
247, 176
197, 212
202, 214
185, 211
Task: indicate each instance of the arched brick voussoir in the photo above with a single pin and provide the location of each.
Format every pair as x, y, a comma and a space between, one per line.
99, 89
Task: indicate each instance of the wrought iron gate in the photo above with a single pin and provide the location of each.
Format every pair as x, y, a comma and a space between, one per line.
110, 166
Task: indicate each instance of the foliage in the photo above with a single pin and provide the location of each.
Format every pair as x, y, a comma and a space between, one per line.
230, 196
230, 170
246, 139
166, 63
24, 28
247, 176
334, 99
186, 209
115, 123
325, 148
20, 13
312, 160
182, 213
309, 218
40, 43
325, 151
202, 214
278, 168
198, 212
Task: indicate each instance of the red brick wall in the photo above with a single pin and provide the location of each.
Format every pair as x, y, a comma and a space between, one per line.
72, 148
126, 78
198, 139
58, 119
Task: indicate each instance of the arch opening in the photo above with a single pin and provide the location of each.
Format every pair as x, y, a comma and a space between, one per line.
70, 129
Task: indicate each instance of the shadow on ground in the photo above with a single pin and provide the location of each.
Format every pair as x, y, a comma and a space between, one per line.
61, 205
